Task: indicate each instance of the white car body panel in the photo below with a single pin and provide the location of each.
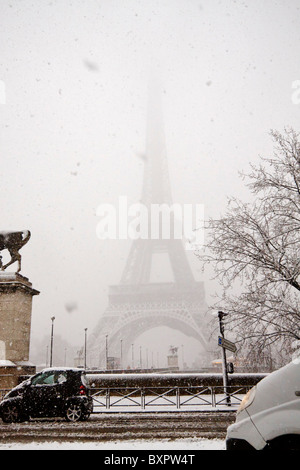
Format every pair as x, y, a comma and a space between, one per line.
275, 410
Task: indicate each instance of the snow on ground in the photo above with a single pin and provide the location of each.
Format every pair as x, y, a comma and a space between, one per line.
132, 445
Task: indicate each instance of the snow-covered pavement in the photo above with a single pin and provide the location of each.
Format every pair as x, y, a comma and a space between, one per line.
132, 445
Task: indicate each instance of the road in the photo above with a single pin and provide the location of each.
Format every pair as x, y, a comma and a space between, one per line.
121, 426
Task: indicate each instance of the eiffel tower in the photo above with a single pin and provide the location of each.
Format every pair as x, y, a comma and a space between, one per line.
137, 304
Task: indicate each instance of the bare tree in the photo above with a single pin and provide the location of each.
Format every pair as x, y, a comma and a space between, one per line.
255, 251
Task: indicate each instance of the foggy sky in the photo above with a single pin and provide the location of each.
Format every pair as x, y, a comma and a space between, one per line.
74, 120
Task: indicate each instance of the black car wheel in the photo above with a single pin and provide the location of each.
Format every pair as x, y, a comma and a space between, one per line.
10, 414
74, 412
85, 416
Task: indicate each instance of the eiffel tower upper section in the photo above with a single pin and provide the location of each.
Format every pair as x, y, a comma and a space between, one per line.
156, 190
138, 304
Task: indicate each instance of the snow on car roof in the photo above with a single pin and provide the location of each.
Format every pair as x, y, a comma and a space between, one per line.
62, 368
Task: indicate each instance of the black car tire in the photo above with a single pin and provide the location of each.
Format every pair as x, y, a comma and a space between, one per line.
85, 416
74, 412
10, 413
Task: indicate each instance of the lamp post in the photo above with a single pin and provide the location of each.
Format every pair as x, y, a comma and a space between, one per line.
132, 355
85, 342
121, 355
140, 357
106, 352
51, 342
221, 315
147, 365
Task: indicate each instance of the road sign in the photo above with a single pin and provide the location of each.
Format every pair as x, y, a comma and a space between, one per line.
225, 343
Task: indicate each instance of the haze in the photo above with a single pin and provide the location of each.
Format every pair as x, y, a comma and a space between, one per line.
74, 78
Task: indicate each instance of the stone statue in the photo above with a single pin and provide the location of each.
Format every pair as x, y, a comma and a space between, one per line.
13, 242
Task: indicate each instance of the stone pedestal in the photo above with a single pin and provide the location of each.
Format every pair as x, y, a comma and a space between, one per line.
173, 361
16, 294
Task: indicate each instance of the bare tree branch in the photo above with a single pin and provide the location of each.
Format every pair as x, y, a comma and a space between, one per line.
257, 248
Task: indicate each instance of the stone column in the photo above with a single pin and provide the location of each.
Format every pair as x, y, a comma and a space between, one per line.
16, 294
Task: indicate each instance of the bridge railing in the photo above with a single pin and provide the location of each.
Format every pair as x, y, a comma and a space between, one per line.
158, 399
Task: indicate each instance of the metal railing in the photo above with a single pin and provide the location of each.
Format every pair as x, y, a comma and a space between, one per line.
159, 399
156, 398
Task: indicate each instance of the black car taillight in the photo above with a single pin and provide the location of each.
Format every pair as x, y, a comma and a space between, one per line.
82, 390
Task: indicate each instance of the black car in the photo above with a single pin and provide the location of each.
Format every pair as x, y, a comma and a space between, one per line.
51, 393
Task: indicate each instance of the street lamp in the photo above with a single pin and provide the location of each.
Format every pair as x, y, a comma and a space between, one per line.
132, 355
121, 355
51, 342
140, 357
147, 359
85, 330
106, 352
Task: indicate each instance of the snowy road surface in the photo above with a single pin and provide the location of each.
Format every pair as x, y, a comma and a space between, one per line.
193, 430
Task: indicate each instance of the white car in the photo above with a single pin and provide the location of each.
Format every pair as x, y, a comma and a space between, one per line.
269, 415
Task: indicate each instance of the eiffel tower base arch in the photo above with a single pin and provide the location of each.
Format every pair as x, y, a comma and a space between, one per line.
131, 313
